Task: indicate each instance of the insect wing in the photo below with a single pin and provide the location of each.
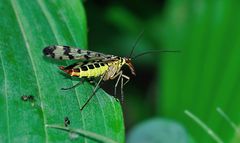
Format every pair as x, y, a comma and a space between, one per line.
70, 53
74, 65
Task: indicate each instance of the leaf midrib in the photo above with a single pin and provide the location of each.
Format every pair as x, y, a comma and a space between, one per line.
32, 63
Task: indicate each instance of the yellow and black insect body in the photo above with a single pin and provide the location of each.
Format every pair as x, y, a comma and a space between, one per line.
93, 65
97, 68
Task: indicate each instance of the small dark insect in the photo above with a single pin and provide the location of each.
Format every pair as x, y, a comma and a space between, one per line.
27, 98
66, 122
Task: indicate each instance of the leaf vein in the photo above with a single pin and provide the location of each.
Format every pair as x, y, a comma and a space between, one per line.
5, 93
14, 6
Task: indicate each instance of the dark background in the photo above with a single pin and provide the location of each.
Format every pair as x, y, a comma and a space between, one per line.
201, 78
108, 36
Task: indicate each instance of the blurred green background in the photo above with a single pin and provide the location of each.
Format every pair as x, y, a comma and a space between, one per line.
202, 77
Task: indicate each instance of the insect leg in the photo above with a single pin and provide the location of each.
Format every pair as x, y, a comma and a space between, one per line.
122, 95
94, 91
67, 88
126, 77
120, 75
115, 87
122, 84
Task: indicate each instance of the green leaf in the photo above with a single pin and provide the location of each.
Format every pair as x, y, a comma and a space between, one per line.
158, 131
26, 27
74, 132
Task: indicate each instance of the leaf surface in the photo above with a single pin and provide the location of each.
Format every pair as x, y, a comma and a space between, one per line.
26, 28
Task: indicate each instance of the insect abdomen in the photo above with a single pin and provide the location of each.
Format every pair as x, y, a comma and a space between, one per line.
88, 70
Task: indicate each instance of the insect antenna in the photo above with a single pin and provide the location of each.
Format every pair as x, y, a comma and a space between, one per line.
136, 42
148, 52
155, 51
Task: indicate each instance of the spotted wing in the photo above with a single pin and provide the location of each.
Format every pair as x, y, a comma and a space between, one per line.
70, 53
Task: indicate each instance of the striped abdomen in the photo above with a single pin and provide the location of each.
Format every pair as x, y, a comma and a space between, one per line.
88, 70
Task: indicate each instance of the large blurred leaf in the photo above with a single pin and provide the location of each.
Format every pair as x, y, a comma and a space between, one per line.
26, 27
206, 73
